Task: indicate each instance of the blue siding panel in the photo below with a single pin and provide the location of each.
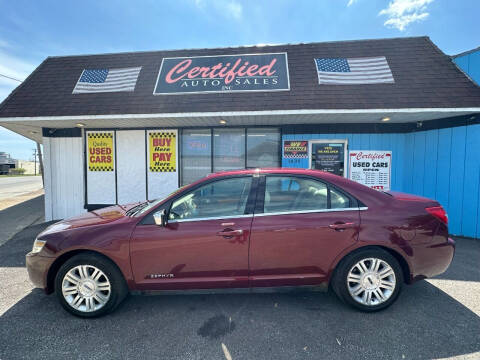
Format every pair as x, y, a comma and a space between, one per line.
477, 235
443, 169
471, 185
470, 64
457, 166
408, 163
474, 66
430, 168
418, 164
440, 164
398, 161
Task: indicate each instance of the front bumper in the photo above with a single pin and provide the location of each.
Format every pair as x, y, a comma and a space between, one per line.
37, 267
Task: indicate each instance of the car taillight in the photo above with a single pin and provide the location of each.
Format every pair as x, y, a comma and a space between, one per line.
439, 213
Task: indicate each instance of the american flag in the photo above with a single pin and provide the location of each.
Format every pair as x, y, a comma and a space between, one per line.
373, 70
107, 80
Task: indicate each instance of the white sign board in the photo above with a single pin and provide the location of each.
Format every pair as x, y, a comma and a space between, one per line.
371, 168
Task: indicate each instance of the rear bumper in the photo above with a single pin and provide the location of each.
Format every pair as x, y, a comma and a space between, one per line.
433, 260
37, 267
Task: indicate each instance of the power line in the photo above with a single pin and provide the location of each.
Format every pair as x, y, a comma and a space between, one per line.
11, 78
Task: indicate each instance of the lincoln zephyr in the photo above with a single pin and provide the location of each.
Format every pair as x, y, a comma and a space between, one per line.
253, 230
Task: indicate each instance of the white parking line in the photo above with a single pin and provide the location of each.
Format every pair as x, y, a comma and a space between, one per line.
226, 352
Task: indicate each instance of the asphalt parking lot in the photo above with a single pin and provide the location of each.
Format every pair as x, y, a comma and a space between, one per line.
439, 318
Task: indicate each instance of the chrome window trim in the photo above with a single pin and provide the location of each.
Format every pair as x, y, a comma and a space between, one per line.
312, 211
211, 218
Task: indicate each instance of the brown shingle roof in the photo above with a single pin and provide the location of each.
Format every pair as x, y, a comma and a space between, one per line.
424, 78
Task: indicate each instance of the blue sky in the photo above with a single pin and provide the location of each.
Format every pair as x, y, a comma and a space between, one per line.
32, 30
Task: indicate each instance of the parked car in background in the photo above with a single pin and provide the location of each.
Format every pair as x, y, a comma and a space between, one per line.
249, 229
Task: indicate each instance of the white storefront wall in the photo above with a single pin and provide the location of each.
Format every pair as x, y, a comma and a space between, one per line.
131, 166
64, 180
131, 180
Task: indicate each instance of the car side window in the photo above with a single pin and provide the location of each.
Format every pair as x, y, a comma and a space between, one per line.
218, 199
284, 193
338, 200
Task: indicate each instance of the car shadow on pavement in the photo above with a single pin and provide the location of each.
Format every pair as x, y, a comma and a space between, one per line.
424, 323
465, 265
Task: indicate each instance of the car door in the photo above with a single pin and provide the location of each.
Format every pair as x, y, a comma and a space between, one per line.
204, 243
300, 225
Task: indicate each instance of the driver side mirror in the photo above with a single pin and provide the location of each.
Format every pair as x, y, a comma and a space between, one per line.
160, 218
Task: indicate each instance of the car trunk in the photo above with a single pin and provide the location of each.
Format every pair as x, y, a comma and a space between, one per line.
410, 197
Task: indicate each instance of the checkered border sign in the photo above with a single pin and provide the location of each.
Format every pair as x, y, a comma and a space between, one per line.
163, 168
101, 135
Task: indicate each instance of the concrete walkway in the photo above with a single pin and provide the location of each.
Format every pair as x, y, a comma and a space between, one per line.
18, 217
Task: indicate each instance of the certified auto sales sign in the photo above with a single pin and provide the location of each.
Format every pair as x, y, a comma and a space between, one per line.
223, 73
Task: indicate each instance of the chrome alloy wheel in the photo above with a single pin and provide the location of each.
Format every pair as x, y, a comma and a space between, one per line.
86, 288
371, 281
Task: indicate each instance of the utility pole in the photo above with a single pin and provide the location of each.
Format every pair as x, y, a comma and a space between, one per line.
40, 161
35, 160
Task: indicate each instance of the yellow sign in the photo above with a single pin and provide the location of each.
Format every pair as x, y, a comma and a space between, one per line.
162, 147
100, 151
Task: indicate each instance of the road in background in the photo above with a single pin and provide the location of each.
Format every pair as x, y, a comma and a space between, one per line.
11, 187
438, 318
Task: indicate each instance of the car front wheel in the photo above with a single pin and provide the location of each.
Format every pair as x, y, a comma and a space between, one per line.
89, 285
369, 280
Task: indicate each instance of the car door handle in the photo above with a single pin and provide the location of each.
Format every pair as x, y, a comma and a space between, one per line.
341, 226
230, 233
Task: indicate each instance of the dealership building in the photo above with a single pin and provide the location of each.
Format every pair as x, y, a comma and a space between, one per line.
393, 114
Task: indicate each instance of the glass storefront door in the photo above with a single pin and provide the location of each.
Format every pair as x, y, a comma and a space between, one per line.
196, 154
228, 149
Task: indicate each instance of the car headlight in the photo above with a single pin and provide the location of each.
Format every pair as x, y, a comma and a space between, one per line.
38, 245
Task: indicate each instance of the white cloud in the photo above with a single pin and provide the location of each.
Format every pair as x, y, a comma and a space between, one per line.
401, 13
235, 9
351, 2
226, 8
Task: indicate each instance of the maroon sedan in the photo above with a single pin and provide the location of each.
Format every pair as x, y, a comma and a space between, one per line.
248, 229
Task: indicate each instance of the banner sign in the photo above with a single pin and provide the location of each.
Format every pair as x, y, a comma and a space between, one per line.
371, 168
162, 146
100, 151
329, 157
223, 73
295, 149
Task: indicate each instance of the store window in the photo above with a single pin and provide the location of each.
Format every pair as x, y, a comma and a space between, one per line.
206, 151
263, 146
196, 154
228, 149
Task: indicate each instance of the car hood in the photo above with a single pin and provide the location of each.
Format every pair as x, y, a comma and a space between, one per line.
95, 217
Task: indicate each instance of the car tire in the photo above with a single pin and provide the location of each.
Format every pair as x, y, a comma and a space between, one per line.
90, 285
370, 287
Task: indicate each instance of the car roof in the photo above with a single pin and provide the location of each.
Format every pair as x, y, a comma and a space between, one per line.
274, 170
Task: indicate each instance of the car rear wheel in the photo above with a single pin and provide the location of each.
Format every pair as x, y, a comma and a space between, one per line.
369, 280
89, 285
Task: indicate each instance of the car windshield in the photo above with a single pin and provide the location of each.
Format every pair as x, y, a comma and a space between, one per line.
148, 205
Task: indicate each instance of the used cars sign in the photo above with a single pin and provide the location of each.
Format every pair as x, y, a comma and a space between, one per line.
223, 73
